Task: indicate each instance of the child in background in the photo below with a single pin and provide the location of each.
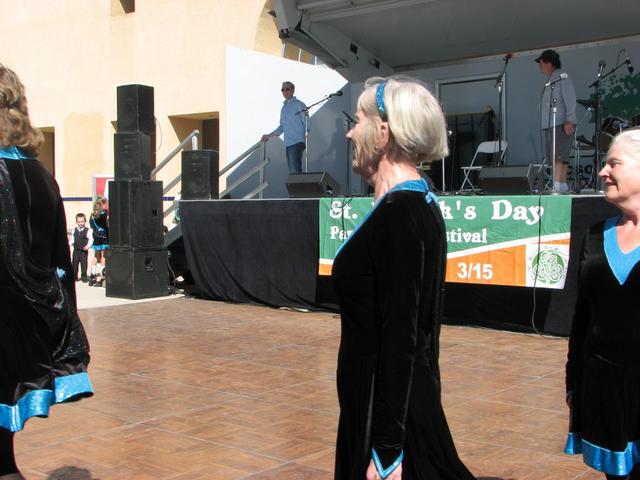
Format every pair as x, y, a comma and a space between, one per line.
81, 241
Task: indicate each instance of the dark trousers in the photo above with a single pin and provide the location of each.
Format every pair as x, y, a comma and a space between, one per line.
80, 257
294, 157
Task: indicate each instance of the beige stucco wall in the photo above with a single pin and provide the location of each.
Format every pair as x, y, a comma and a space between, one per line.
71, 55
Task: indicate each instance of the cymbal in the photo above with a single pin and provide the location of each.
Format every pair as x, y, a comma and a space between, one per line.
587, 103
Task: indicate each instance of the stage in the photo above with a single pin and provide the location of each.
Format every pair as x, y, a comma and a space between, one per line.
265, 252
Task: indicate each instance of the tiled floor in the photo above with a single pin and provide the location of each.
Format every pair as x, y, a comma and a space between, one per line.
191, 389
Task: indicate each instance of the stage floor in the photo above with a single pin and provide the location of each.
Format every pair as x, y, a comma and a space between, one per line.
196, 389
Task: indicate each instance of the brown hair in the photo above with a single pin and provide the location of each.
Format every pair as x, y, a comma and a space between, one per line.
15, 126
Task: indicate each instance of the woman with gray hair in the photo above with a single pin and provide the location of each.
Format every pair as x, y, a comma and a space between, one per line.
43, 348
389, 278
603, 365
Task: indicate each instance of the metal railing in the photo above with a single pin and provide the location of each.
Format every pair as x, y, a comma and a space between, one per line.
193, 138
259, 168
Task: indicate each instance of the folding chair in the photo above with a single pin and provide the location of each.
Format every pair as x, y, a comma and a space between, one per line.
493, 146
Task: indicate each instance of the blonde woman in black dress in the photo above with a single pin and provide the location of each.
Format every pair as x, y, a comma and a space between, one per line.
389, 277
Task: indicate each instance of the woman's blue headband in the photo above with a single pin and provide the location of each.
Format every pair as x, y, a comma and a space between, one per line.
380, 100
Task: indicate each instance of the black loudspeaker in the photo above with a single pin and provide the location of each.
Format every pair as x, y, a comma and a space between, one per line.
135, 214
199, 174
311, 185
137, 273
507, 180
135, 109
132, 156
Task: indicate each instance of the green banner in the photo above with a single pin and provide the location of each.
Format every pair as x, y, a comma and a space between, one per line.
511, 240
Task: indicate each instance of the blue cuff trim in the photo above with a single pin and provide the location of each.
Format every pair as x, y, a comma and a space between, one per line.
603, 460
70, 386
384, 473
36, 403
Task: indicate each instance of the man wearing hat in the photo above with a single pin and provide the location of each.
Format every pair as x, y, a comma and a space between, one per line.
560, 92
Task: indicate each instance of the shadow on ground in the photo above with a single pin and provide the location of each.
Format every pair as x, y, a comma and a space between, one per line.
70, 473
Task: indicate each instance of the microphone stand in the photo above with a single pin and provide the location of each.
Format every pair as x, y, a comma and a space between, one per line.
550, 190
598, 131
349, 121
499, 85
305, 111
552, 104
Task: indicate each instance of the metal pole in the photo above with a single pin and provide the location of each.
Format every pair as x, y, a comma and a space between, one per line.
553, 148
306, 141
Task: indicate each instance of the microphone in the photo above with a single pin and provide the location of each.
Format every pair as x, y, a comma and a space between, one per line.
337, 94
508, 56
561, 77
628, 62
601, 65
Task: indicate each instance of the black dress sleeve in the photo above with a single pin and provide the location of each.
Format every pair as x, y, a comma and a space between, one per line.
579, 325
398, 257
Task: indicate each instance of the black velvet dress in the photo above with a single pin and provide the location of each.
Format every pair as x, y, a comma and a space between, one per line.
43, 348
389, 278
603, 367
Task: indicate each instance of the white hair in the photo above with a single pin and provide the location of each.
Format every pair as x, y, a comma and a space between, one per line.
630, 137
416, 121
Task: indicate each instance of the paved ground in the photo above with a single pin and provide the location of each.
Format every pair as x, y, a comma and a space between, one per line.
94, 297
193, 389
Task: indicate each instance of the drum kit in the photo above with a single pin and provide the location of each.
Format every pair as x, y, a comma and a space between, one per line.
609, 128
605, 132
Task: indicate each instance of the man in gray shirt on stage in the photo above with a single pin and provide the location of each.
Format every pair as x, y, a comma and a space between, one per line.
292, 124
559, 92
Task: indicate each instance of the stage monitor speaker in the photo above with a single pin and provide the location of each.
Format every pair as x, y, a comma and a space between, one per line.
132, 156
506, 180
135, 214
312, 185
137, 273
200, 173
135, 109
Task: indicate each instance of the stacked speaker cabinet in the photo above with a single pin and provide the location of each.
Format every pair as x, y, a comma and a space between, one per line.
137, 260
200, 172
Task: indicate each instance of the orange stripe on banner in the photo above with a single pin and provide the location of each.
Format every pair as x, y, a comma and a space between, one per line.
505, 266
324, 269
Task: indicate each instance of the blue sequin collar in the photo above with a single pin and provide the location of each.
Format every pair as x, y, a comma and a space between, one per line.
410, 185
620, 263
13, 153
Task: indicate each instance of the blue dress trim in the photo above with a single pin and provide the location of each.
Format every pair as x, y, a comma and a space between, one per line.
410, 185
603, 460
620, 263
382, 472
100, 247
13, 153
36, 403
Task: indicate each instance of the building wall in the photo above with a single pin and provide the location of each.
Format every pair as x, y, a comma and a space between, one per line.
77, 52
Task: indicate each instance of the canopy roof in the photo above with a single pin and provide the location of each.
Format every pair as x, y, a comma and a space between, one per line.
364, 37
